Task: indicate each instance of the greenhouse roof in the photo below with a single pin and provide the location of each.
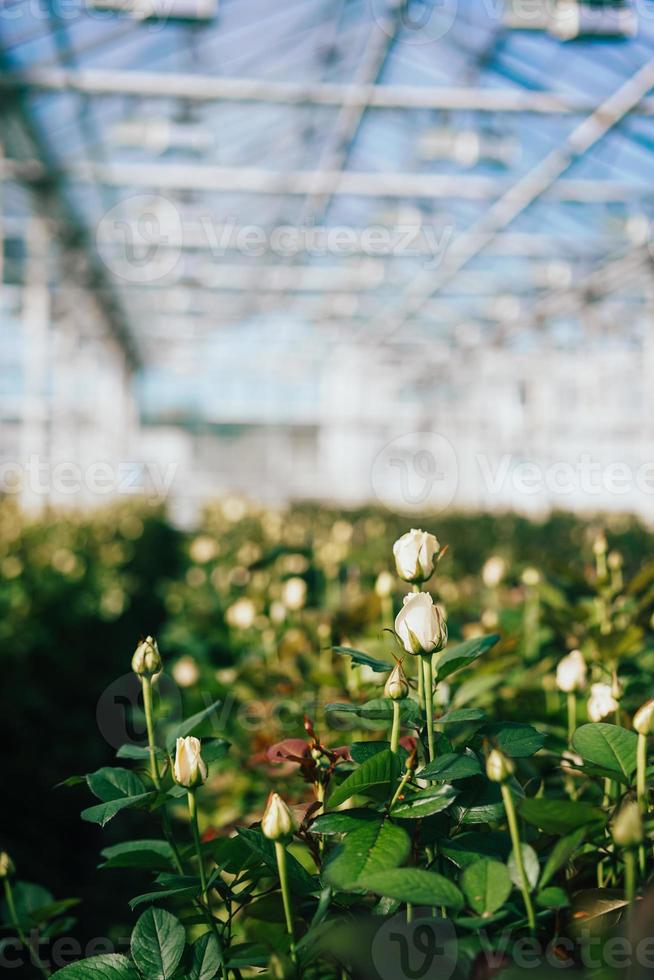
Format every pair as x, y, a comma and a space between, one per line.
266, 183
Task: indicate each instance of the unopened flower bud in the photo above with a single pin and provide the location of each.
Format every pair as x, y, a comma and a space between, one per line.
6, 865
416, 553
498, 766
614, 561
411, 763
531, 577
397, 686
277, 822
493, 571
627, 826
599, 544
421, 625
601, 702
189, 770
384, 584
644, 718
571, 672
147, 660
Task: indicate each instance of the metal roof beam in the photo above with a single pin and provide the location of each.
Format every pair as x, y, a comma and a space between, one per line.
209, 88
254, 180
543, 179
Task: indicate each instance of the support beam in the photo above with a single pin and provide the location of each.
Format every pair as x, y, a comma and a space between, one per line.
543, 179
255, 180
209, 88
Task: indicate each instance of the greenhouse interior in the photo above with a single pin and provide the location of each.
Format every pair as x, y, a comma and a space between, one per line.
327, 489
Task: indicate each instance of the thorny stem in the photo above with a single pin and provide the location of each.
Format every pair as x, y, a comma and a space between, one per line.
398, 792
154, 770
280, 853
517, 850
395, 730
629, 876
572, 716
429, 702
13, 915
641, 789
193, 813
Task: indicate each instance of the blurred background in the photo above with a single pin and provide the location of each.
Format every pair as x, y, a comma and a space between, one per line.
277, 282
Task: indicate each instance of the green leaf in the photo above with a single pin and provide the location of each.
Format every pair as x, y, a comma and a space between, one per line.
190, 726
207, 958
137, 753
109, 967
342, 821
463, 654
561, 853
480, 801
214, 749
380, 709
378, 772
414, 885
513, 738
360, 751
532, 867
113, 783
361, 659
424, 803
173, 886
158, 942
487, 885
467, 848
299, 880
610, 747
104, 812
155, 855
28, 899
460, 715
372, 847
451, 766
552, 898
561, 816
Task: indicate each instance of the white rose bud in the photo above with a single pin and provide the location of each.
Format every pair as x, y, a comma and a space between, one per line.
6, 865
493, 571
601, 702
294, 593
384, 584
397, 686
415, 555
277, 822
498, 766
627, 826
571, 672
189, 770
420, 625
147, 660
644, 719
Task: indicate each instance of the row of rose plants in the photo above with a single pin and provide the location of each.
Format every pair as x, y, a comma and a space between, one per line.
497, 827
